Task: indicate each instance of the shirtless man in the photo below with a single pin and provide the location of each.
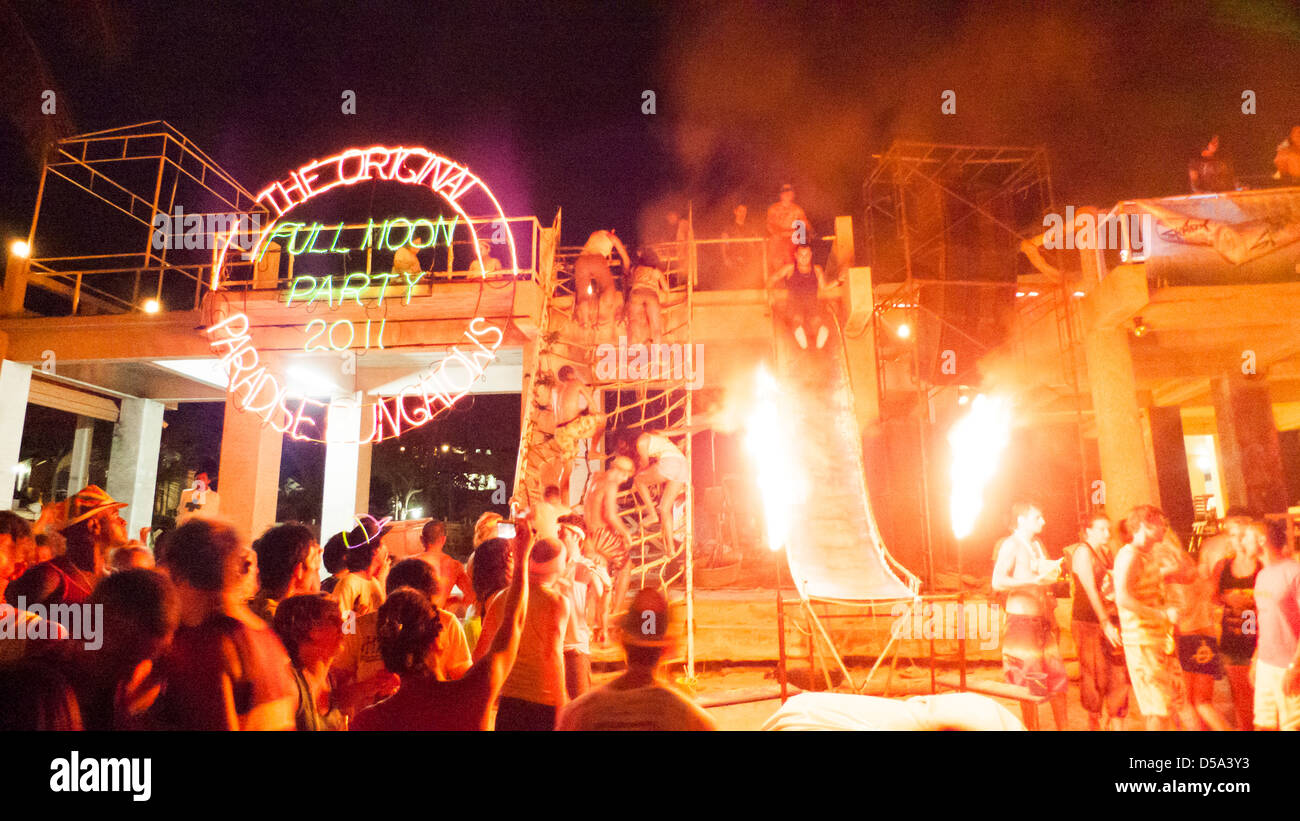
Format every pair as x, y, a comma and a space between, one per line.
593, 264
606, 534
782, 217
649, 284
1030, 654
451, 573
577, 422
660, 464
547, 513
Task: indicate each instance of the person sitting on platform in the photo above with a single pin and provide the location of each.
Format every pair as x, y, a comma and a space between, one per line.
1287, 160
1031, 657
638, 699
1209, 171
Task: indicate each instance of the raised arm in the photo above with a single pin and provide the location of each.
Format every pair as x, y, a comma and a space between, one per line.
505, 644
622, 252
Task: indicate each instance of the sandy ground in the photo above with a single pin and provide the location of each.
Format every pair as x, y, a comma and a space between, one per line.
719, 680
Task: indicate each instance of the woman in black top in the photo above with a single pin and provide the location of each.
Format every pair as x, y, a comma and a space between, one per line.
1236, 592
1103, 677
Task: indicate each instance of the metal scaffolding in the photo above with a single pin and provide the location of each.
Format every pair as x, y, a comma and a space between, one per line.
122, 180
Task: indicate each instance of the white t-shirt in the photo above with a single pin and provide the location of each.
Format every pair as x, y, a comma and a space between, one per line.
359, 594
655, 708
360, 655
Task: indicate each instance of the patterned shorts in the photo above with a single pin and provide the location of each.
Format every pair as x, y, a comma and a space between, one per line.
1031, 657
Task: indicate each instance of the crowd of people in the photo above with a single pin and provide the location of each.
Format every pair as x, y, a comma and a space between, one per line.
220, 633
1151, 619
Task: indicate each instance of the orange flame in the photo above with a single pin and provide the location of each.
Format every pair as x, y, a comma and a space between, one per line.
977, 440
776, 468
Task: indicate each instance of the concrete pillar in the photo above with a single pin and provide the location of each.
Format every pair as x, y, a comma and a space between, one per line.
1126, 465
15, 380
248, 478
364, 453
1171, 469
342, 458
133, 460
1252, 470
79, 470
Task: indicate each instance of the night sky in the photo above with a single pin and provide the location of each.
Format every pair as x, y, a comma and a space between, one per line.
544, 101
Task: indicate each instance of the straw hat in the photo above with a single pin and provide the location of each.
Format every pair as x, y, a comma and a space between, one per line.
89, 502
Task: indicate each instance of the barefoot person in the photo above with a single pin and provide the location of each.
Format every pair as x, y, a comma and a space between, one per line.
649, 284
606, 533
593, 283
803, 309
1190, 587
661, 466
579, 426
1147, 622
1031, 656
1094, 623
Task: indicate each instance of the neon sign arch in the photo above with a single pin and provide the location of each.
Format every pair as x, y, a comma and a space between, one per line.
255, 389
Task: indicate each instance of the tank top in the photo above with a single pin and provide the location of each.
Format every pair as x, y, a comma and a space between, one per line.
533, 676
1233, 637
1141, 629
1081, 610
803, 284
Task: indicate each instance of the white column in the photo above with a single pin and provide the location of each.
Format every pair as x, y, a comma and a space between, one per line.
133, 460
342, 455
79, 470
15, 380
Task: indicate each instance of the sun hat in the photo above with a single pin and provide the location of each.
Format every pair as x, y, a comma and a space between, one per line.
89, 502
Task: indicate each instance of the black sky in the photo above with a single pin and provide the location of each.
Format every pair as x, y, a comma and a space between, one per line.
544, 100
